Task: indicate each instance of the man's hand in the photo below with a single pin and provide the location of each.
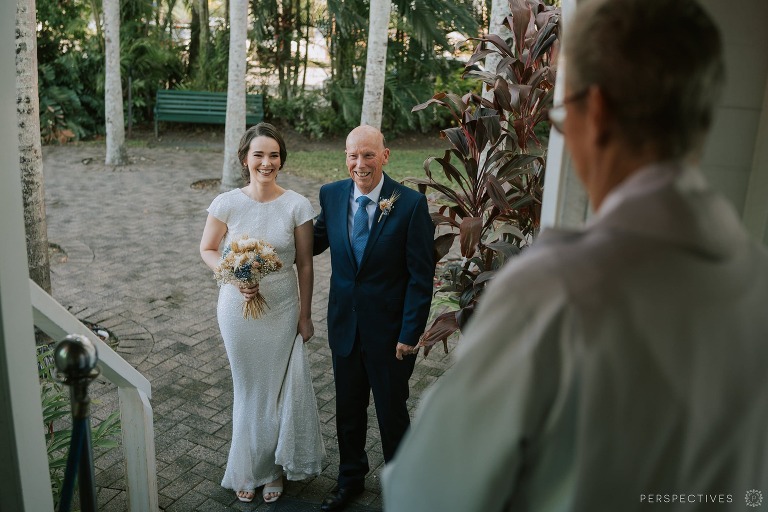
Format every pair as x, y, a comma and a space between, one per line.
405, 350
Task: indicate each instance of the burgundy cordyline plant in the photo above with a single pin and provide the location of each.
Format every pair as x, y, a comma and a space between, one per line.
495, 165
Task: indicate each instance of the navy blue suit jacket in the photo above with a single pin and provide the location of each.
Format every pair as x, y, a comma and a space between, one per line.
388, 297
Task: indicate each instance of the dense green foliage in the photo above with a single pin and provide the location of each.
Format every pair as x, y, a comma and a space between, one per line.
71, 101
164, 44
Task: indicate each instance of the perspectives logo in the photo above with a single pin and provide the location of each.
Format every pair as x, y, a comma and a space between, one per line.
754, 498
683, 498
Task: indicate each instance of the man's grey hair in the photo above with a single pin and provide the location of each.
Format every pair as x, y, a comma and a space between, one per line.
659, 64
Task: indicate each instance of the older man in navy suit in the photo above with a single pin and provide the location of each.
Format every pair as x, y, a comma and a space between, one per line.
381, 238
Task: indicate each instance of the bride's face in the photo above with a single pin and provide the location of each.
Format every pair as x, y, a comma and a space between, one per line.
263, 159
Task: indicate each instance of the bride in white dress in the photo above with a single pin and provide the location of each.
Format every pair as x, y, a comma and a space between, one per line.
275, 425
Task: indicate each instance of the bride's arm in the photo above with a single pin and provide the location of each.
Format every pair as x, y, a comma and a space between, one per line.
213, 232
304, 238
209, 245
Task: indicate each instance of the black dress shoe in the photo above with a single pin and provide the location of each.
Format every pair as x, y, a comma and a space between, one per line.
340, 497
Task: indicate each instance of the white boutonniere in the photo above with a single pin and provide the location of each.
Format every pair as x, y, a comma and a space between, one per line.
386, 205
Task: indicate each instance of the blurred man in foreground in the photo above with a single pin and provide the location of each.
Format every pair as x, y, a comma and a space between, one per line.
624, 365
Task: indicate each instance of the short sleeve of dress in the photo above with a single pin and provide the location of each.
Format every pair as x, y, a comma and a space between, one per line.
303, 211
220, 208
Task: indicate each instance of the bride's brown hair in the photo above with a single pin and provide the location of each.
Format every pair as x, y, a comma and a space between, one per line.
259, 130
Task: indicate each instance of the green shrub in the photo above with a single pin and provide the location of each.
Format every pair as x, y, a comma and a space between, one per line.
308, 113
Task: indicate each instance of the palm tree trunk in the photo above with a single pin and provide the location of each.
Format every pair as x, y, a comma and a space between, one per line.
205, 36
306, 49
113, 89
230, 177
194, 40
280, 64
499, 12
30, 150
332, 44
296, 31
376, 63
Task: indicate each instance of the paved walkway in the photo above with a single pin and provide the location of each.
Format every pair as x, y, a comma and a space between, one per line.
131, 237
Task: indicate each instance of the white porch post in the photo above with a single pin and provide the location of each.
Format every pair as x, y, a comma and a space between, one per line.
24, 481
139, 446
565, 202
756, 204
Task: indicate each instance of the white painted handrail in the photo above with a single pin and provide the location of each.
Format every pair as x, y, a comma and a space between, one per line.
54, 320
134, 392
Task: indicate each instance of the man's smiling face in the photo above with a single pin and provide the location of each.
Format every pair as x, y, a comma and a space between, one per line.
366, 157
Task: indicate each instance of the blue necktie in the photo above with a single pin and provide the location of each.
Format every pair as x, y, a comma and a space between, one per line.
360, 228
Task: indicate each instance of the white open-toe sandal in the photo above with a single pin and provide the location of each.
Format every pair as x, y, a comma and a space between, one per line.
272, 489
245, 499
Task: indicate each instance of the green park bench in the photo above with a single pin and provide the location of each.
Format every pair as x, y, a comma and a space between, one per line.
202, 107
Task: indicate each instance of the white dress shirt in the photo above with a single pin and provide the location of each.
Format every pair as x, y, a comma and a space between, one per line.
623, 367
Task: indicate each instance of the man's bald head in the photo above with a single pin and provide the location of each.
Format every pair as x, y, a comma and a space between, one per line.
366, 157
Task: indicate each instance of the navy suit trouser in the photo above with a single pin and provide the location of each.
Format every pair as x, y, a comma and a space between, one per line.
356, 375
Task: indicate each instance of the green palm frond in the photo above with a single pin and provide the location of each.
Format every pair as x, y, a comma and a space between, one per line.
421, 24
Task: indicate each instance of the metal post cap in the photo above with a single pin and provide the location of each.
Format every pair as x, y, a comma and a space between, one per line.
75, 356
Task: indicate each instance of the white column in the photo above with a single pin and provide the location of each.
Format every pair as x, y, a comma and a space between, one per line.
565, 202
756, 204
24, 482
139, 445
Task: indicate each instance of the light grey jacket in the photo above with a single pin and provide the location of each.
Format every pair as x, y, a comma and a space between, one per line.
607, 368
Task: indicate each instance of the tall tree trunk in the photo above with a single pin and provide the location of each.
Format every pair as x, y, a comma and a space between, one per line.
30, 150
332, 44
194, 40
205, 34
500, 9
499, 12
296, 36
279, 54
306, 49
376, 63
113, 89
230, 177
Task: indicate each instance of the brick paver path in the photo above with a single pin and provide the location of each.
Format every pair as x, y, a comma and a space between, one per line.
131, 237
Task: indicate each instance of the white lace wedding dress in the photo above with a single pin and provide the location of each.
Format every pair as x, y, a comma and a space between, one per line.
275, 425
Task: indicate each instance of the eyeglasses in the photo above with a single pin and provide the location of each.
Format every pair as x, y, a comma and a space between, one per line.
557, 112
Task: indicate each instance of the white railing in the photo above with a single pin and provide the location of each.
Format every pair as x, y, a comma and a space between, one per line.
134, 391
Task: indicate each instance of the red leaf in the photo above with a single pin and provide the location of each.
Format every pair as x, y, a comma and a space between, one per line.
497, 194
443, 245
499, 43
431, 101
470, 230
478, 55
443, 327
522, 21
